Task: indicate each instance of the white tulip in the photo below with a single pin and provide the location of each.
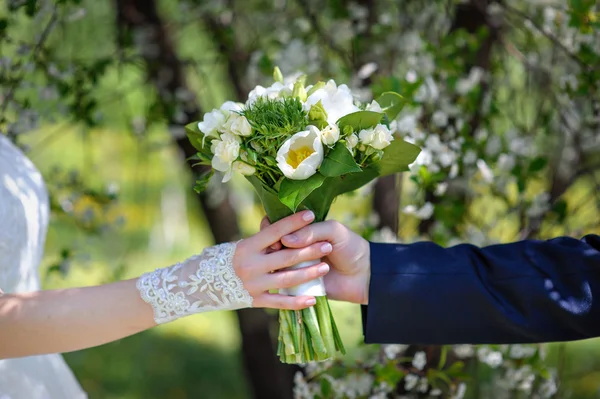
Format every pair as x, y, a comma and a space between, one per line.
238, 124
301, 155
378, 138
243, 168
351, 141
330, 135
226, 150
337, 101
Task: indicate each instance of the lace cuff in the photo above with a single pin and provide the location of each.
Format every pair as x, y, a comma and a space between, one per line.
202, 283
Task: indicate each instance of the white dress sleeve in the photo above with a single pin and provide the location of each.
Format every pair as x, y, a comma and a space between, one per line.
202, 283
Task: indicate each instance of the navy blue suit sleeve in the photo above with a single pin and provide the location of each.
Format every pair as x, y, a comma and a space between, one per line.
524, 292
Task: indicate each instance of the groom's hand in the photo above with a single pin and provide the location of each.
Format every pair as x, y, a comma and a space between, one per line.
348, 279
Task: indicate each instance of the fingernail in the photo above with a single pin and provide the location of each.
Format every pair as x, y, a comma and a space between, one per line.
326, 248
308, 216
323, 269
291, 238
311, 302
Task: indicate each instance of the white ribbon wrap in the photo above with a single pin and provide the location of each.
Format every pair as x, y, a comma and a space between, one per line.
312, 288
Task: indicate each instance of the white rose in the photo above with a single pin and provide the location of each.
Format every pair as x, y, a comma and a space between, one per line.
337, 101
378, 138
211, 124
215, 120
330, 135
375, 107
238, 124
351, 141
301, 155
226, 149
276, 90
230, 106
243, 168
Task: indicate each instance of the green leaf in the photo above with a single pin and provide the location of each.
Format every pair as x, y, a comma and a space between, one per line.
397, 156
391, 103
273, 207
277, 75
537, 164
346, 183
194, 135
360, 120
339, 162
455, 368
293, 192
203, 181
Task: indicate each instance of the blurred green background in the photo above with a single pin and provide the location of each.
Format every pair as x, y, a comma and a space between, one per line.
97, 93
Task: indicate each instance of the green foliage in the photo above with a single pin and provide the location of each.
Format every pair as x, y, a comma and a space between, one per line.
276, 120
339, 162
391, 103
293, 192
397, 156
360, 120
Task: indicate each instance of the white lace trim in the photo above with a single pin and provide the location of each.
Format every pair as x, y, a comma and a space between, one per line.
202, 283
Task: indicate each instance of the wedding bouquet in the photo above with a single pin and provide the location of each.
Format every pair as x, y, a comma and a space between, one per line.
300, 147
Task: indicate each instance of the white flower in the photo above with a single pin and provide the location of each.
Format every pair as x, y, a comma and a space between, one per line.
435, 392
464, 351
410, 381
243, 168
226, 149
238, 124
391, 351
275, 91
439, 118
419, 360
336, 100
330, 135
423, 213
351, 141
521, 351
423, 385
375, 107
485, 171
213, 122
301, 155
230, 106
378, 138
460, 391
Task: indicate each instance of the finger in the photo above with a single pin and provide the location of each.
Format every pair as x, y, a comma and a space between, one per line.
290, 257
264, 223
330, 230
292, 278
273, 233
278, 301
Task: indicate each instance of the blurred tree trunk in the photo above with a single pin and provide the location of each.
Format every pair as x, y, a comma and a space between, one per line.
268, 377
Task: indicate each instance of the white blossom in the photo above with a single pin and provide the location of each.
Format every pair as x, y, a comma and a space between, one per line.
301, 155
419, 360
379, 137
336, 100
410, 381
330, 135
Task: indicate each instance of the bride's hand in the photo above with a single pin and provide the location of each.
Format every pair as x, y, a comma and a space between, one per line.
350, 263
259, 268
